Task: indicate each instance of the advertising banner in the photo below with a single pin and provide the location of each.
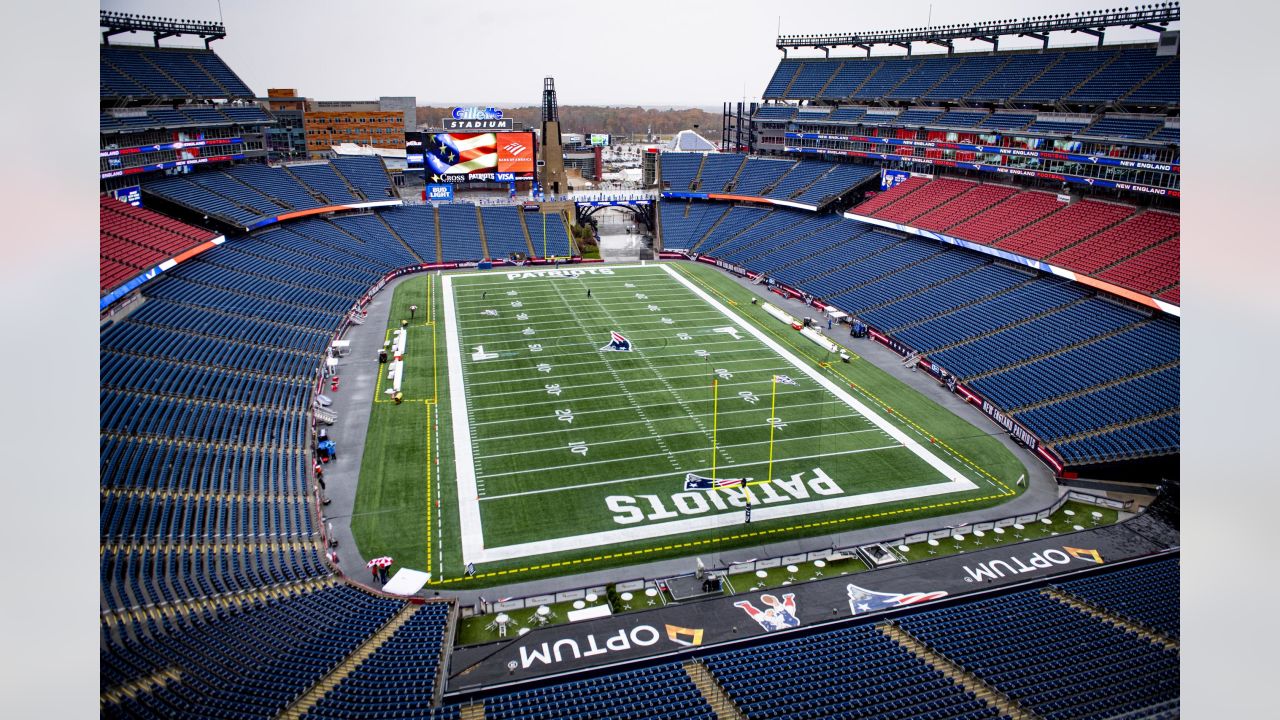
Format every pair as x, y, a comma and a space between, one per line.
478, 157
1077, 179
168, 165
998, 150
176, 145
413, 157
515, 153
131, 195
889, 178
439, 193
681, 628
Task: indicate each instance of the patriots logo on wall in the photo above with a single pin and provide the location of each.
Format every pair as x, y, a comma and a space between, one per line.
617, 342
862, 600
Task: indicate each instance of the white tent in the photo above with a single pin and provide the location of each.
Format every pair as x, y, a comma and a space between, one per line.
690, 141
406, 582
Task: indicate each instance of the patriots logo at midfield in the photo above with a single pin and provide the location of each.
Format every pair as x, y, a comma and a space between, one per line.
862, 600
617, 343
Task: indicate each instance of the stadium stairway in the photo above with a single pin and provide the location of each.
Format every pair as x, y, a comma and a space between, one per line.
1088, 608
131, 621
712, 691
484, 241
993, 331
1007, 706
786, 91
249, 342
697, 247
1057, 226
1107, 429
803, 190
474, 711
211, 77
314, 193
315, 269
144, 684
435, 219
695, 184
396, 235
923, 288
1099, 386
1100, 69
355, 191
800, 240
308, 699
236, 179
242, 206
1157, 73
528, 238
733, 181
1041, 356
834, 293
768, 189
826, 84
895, 271
1154, 249
703, 236
146, 58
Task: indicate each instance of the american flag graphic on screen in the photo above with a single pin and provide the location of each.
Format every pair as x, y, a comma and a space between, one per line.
462, 153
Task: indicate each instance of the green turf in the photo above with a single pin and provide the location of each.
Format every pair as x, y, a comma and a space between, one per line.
645, 414
476, 629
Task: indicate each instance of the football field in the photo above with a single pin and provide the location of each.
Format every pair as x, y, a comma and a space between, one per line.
573, 406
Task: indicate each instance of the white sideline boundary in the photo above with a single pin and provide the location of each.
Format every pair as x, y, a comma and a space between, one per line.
471, 530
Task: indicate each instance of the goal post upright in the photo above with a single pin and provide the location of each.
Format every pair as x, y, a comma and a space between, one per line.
715, 416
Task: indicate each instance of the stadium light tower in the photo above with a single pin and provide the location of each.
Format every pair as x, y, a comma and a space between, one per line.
554, 181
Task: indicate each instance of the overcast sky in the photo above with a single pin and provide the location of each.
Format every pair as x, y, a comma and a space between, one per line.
494, 52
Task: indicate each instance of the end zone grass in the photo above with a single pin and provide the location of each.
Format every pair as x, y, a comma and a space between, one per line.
644, 421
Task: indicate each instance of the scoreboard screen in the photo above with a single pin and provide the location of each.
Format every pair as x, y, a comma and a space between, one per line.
472, 157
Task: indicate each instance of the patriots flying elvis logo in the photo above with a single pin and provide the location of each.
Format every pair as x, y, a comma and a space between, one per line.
694, 481
862, 600
617, 342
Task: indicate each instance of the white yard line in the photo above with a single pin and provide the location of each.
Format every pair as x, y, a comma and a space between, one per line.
539, 339
893, 431
586, 429
610, 410
707, 375
699, 363
486, 321
677, 475
708, 522
670, 435
629, 458
631, 400
645, 369
471, 530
